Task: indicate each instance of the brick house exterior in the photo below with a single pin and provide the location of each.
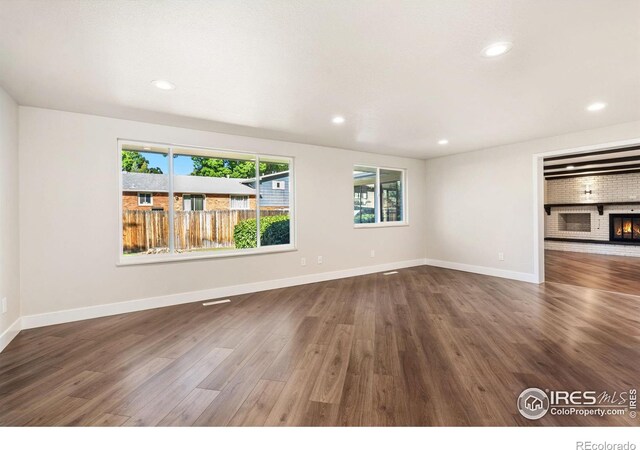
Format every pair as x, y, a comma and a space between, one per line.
130, 201
160, 201
216, 193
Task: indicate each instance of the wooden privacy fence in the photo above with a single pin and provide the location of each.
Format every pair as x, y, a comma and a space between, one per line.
146, 230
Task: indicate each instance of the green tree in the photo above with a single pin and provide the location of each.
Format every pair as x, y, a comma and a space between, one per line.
135, 162
214, 167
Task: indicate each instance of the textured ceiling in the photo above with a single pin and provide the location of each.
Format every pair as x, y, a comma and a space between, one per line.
403, 73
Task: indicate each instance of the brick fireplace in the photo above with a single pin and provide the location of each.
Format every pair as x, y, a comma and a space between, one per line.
594, 209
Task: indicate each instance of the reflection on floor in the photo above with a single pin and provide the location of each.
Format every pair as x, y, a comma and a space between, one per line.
426, 346
609, 273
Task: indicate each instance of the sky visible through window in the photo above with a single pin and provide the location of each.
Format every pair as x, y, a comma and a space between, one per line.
182, 165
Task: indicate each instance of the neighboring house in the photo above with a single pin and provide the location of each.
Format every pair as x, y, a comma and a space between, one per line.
148, 191
274, 190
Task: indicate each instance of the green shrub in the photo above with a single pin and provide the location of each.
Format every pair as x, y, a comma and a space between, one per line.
274, 230
244, 234
365, 218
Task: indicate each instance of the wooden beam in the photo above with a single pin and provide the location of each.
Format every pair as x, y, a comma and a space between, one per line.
601, 152
595, 162
621, 172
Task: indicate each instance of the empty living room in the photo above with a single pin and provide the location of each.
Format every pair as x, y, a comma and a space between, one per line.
320, 222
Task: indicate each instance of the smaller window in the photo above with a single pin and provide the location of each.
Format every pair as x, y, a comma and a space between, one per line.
378, 196
278, 185
239, 202
145, 199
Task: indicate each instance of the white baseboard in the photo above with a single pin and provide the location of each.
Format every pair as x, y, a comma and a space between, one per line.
91, 312
10, 333
482, 270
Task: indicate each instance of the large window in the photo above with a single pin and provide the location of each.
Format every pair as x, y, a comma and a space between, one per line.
378, 196
205, 202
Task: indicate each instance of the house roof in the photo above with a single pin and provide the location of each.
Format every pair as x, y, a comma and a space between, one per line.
270, 176
151, 182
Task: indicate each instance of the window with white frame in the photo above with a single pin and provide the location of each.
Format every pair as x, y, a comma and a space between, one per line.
277, 185
378, 196
222, 218
145, 199
239, 202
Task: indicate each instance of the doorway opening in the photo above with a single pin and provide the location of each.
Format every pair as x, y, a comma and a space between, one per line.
589, 226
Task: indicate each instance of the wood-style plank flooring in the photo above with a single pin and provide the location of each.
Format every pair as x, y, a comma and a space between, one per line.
426, 346
606, 272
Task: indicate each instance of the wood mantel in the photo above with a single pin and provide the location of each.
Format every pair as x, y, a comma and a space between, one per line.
599, 205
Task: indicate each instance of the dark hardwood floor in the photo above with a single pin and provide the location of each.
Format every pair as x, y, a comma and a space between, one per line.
426, 346
606, 272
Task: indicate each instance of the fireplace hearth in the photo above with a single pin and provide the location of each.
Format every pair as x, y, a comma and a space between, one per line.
624, 228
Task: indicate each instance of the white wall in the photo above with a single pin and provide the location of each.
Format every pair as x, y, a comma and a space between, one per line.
9, 229
69, 215
481, 203
463, 210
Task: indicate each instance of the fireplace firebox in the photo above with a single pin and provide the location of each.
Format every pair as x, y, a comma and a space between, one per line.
624, 227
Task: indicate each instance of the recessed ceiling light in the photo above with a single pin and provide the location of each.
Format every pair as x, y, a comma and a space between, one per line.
443, 141
497, 49
571, 167
164, 85
338, 120
597, 106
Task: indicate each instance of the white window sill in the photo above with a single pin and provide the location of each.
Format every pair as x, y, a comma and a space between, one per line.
134, 260
380, 225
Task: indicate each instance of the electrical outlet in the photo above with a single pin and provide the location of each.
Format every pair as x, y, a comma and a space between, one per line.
4, 305
303, 261
373, 253
319, 259
500, 256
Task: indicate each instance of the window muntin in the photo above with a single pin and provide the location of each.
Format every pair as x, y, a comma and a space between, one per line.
378, 196
213, 206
